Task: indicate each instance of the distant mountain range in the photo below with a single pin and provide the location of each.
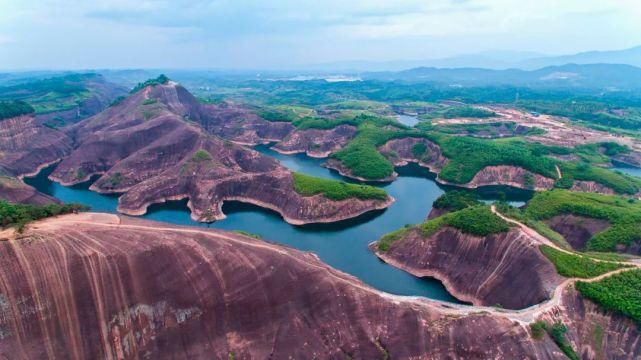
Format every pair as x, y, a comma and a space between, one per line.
600, 70
493, 59
631, 56
609, 77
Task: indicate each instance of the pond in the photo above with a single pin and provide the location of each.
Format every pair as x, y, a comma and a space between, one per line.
407, 119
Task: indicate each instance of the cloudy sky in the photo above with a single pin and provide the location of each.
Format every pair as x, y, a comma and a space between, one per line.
55, 34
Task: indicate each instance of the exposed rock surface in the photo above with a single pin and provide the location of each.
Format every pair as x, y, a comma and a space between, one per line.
512, 176
89, 288
577, 230
146, 149
524, 179
15, 191
400, 152
315, 142
436, 212
241, 124
502, 130
593, 332
504, 269
591, 186
26, 146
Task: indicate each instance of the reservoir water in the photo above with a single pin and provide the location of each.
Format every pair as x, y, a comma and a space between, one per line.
342, 245
407, 119
627, 169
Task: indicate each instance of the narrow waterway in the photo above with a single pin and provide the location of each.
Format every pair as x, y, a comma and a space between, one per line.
627, 169
342, 245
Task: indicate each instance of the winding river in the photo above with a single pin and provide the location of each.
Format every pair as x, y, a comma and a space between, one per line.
342, 245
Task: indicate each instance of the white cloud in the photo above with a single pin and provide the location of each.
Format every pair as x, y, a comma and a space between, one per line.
204, 33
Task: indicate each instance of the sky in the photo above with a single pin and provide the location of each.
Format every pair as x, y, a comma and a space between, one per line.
277, 34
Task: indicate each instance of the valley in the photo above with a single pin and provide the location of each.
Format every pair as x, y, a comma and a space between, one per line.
434, 220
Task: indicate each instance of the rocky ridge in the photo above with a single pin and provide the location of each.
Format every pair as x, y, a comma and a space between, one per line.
102, 286
108, 286
315, 142
505, 269
150, 148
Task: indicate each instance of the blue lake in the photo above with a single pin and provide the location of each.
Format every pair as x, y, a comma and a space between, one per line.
627, 169
342, 245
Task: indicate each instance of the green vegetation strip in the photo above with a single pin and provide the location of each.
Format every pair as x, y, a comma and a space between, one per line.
620, 293
475, 220
487, 130
460, 112
466, 155
599, 113
557, 333
599, 153
9, 109
53, 94
18, 215
161, 79
620, 183
456, 200
575, 265
335, 190
624, 215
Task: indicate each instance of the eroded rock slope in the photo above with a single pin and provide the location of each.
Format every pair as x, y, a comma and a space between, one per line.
100, 286
505, 269
26, 145
150, 149
316, 142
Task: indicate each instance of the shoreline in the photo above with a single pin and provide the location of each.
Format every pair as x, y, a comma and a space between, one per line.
142, 210
426, 273
39, 168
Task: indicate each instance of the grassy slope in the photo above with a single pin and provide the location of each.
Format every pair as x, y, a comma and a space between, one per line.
476, 220
623, 214
576, 265
467, 155
335, 190
620, 292
53, 94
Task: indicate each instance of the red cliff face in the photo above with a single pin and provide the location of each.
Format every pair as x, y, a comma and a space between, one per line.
315, 142
593, 332
99, 286
26, 146
512, 176
242, 125
524, 179
401, 151
148, 149
577, 230
15, 191
505, 269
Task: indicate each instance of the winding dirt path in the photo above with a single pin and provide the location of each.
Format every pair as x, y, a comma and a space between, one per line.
533, 234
